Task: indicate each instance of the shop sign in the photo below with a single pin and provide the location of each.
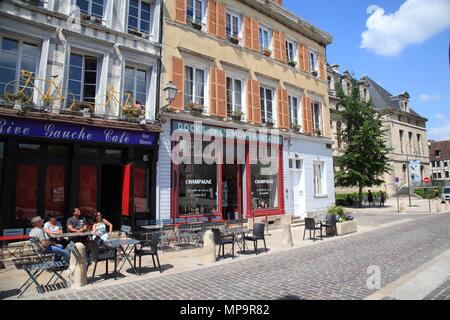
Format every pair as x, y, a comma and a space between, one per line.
226, 133
31, 128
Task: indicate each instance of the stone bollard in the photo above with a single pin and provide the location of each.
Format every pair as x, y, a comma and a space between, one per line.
286, 222
78, 266
438, 206
402, 207
209, 247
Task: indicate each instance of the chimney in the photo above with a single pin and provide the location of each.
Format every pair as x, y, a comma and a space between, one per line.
279, 2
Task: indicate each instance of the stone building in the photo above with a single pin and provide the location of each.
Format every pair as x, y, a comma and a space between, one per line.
406, 132
440, 161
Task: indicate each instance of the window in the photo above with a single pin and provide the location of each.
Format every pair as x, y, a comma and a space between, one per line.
194, 10
439, 175
410, 142
447, 174
15, 56
295, 164
54, 190
264, 38
26, 191
233, 24
139, 16
316, 117
91, 7
135, 85
294, 108
266, 105
140, 189
437, 153
194, 86
83, 77
401, 141
419, 144
291, 51
264, 188
313, 60
318, 178
234, 95
88, 189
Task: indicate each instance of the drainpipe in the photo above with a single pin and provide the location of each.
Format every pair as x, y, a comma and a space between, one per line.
159, 63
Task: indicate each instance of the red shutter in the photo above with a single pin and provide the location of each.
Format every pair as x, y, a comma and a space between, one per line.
253, 102
180, 11
283, 109
218, 93
178, 79
301, 58
283, 47
221, 21
248, 32
213, 91
322, 68
255, 35
212, 17
276, 45
306, 55
306, 115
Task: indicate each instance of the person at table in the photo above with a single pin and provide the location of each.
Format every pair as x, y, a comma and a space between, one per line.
99, 227
76, 225
42, 244
52, 229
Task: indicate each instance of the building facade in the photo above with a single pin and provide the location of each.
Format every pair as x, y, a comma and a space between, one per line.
78, 95
243, 68
440, 161
406, 132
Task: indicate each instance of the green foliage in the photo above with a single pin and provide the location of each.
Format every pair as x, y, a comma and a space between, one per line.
427, 193
337, 211
364, 159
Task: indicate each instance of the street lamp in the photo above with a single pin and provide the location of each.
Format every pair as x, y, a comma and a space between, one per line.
170, 92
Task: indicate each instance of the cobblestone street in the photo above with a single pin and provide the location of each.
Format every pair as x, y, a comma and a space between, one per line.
331, 270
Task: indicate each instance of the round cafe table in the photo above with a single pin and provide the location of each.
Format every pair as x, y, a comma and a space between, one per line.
125, 248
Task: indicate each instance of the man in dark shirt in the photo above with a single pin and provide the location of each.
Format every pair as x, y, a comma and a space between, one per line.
76, 225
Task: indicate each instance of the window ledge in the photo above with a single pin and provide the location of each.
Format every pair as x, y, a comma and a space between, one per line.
321, 196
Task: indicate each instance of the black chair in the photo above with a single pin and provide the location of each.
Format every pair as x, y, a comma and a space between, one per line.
148, 248
258, 234
311, 225
102, 252
221, 241
331, 224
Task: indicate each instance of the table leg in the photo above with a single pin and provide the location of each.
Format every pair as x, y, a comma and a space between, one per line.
127, 258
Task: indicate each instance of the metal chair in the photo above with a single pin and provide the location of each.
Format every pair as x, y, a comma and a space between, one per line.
257, 235
167, 237
331, 224
15, 247
125, 230
148, 248
311, 225
221, 241
99, 253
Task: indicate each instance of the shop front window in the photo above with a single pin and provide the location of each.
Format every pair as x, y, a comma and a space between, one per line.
264, 188
54, 190
88, 189
197, 189
140, 188
26, 191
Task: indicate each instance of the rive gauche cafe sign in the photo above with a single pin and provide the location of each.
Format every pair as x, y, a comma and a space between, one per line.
31, 128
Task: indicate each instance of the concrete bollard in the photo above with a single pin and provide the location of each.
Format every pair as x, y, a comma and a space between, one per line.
286, 222
402, 207
209, 247
78, 266
438, 206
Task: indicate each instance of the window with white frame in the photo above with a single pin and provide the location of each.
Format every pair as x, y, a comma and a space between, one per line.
93, 8
291, 50
234, 95
295, 164
194, 86
266, 95
294, 111
316, 116
265, 38
318, 176
233, 24
135, 85
83, 70
313, 60
194, 10
15, 56
139, 16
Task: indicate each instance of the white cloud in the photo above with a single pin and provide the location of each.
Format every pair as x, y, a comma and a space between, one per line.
414, 22
430, 97
442, 131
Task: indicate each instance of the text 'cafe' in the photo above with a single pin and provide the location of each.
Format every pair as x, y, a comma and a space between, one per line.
51, 165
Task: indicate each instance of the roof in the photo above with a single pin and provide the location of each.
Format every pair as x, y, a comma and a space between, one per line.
443, 146
382, 99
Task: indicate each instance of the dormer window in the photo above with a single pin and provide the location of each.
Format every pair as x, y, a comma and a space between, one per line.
437, 153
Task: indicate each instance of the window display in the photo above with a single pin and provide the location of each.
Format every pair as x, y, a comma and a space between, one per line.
264, 188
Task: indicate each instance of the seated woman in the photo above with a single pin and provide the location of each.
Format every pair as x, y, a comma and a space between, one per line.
99, 227
41, 244
52, 229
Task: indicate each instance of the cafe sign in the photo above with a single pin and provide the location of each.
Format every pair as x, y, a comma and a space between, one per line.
22, 127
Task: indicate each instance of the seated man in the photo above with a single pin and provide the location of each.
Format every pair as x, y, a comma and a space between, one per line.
46, 246
76, 225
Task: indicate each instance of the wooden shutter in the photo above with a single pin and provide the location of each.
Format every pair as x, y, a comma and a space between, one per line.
255, 35
216, 19
276, 45
178, 79
253, 102
283, 47
218, 93
221, 21
180, 11
307, 115
322, 68
248, 32
283, 109
212, 17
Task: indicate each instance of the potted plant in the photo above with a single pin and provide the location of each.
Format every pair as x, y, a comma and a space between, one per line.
314, 73
292, 63
269, 123
133, 110
85, 16
296, 127
197, 25
135, 33
317, 132
81, 105
237, 115
196, 108
345, 224
234, 39
19, 98
267, 52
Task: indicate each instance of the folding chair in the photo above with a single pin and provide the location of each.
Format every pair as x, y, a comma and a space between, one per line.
167, 237
125, 230
13, 248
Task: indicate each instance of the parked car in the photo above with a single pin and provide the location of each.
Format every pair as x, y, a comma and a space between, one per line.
446, 194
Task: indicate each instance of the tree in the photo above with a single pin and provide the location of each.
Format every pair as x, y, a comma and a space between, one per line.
364, 159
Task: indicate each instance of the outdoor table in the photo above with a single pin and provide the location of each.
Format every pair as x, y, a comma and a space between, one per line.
152, 228
72, 235
125, 253
238, 232
6, 239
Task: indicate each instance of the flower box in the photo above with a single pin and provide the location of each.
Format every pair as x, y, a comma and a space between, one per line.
196, 108
237, 116
292, 63
196, 25
314, 73
267, 52
81, 105
296, 128
234, 39
133, 111
348, 227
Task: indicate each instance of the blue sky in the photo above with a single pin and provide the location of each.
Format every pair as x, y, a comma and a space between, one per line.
398, 54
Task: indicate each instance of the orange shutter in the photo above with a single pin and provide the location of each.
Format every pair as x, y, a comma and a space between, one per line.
306, 55
301, 57
283, 109
218, 93
178, 79
180, 11
212, 17
255, 35
322, 68
283, 47
221, 21
276, 45
307, 115
253, 102
248, 32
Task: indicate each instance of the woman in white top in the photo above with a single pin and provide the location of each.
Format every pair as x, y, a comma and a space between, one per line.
52, 229
100, 226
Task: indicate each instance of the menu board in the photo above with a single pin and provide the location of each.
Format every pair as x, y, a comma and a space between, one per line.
57, 194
